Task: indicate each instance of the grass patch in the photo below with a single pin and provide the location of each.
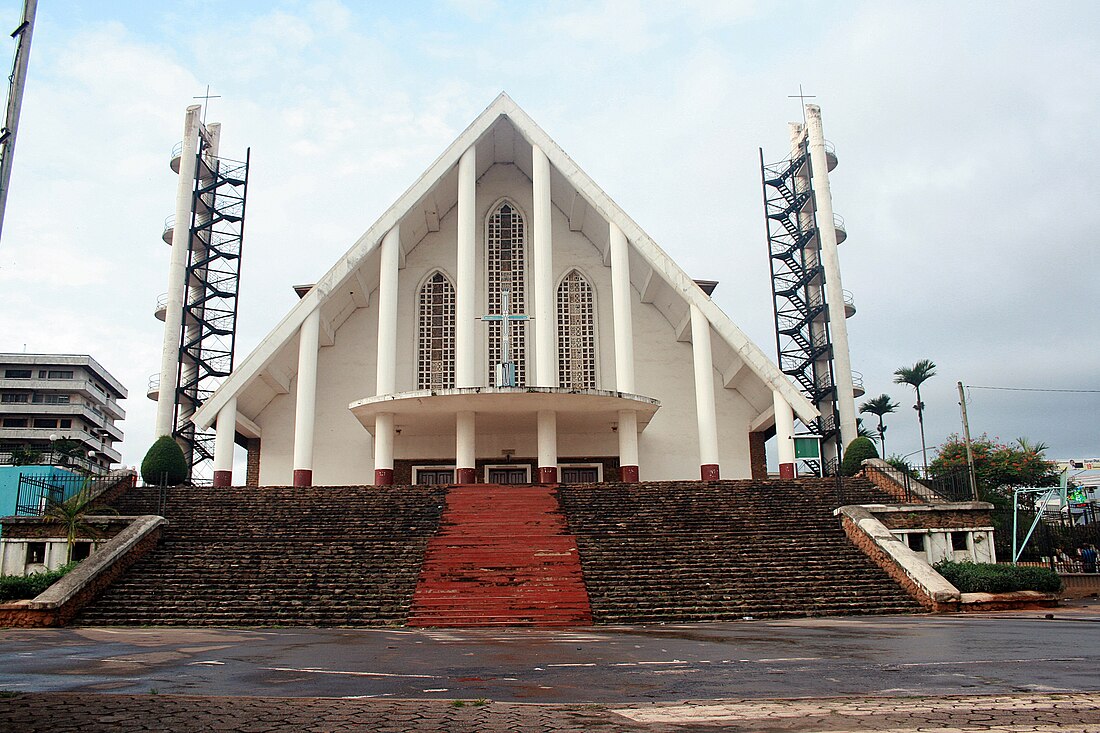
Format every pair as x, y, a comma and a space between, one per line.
971, 577
20, 587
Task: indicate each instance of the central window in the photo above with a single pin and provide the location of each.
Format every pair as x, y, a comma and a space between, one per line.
576, 333
436, 334
506, 257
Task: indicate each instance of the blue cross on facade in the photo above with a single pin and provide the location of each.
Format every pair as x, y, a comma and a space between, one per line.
505, 368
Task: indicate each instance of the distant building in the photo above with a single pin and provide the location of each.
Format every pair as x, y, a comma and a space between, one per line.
49, 398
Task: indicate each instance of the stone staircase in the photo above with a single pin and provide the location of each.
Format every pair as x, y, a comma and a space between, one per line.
326, 556
503, 556
678, 552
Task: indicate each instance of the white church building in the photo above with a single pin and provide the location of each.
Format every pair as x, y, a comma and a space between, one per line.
394, 367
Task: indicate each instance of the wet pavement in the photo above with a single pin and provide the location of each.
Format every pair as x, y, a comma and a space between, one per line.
603, 678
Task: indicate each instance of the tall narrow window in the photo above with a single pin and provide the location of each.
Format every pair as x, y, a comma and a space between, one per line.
576, 333
436, 334
506, 242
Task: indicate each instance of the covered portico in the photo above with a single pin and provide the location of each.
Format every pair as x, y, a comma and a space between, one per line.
464, 411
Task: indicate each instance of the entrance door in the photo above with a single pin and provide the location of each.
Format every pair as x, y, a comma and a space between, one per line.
432, 476
579, 474
508, 476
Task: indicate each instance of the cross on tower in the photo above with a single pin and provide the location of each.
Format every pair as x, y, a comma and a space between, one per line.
802, 98
207, 97
505, 368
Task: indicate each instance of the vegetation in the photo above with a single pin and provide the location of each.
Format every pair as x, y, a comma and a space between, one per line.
165, 463
25, 456
971, 577
72, 515
880, 406
999, 467
19, 587
915, 376
855, 454
902, 465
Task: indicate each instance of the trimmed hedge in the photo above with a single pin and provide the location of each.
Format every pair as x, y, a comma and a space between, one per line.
971, 577
855, 454
19, 587
165, 463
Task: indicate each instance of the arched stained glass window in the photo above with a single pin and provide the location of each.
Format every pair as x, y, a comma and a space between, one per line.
436, 334
576, 333
506, 257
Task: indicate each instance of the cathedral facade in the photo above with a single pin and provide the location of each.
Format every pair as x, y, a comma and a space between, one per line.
503, 322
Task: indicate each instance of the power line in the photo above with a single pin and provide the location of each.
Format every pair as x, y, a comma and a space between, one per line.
1036, 389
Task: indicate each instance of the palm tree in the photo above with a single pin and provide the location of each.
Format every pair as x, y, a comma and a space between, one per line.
915, 376
881, 406
72, 514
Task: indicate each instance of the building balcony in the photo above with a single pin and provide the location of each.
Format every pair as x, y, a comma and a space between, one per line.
153, 391
177, 153
849, 304
42, 438
76, 410
830, 156
169, 228
838, 226
162, 307
857, 384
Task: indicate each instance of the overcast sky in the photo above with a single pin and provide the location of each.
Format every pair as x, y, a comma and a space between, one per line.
966, 134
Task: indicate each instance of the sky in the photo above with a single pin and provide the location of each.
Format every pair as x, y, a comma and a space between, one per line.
965, 134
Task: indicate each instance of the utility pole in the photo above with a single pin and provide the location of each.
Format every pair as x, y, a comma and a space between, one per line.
969, 450
15, 100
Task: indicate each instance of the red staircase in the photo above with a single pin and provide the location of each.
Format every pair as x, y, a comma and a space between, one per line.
502, 557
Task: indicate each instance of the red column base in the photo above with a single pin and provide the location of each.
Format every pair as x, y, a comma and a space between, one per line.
223, 479
383, 477
465, 475
786, 470
628, 474
710, 472
303, 478
548, 474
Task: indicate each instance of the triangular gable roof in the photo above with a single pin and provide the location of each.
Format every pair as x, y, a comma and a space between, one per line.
596, 198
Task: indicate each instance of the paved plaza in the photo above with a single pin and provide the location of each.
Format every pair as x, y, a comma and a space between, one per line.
1020, 671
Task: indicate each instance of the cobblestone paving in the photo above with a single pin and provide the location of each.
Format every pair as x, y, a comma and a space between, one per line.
1026, 713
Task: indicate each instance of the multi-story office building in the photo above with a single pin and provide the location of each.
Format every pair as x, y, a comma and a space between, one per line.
49, 398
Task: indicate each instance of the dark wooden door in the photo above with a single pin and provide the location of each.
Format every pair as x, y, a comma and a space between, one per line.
508, 476
432, 476
579, 475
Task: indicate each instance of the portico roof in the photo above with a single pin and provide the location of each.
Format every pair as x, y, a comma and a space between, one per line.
502, 409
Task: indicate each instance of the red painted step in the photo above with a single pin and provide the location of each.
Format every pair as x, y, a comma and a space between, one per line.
502, 557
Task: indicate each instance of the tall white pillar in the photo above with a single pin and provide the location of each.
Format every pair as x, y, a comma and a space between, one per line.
383, 449
548, 446
705, 412
386, 352
784, 435
465, 448
177, 275
546, 333
628, 446
623, 322
834, 290
224, 439
305, 404
466, 361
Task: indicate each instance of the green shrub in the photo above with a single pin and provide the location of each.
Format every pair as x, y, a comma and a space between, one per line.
164, 463
25, 456
855, 454
18, 587
971, 577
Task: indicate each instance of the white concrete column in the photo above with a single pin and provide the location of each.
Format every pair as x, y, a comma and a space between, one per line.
177, 275
465, 448
386, 353
834, 290
466, 361
305, 403
784, 435
621, 307
545, 315
628, 446
548, 446
705, 412
224, 440
383, 449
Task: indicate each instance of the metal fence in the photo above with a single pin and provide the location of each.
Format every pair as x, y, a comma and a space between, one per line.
916, 485
1058, 542
37, 492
